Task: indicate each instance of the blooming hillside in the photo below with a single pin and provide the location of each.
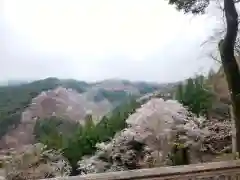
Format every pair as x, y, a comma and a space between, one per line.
156, 133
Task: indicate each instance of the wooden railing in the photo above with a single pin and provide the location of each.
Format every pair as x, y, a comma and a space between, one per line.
228, 170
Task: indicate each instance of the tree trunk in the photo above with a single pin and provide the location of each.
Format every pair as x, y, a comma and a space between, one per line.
230, 66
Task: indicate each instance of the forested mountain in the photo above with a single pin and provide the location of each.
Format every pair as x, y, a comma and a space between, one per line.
21, 104
114, 125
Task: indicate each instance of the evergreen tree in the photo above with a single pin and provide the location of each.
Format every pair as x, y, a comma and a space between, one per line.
195, 95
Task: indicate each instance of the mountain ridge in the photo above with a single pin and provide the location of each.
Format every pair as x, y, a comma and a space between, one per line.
67, 98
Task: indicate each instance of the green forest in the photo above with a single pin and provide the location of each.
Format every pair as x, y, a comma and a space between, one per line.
195, 94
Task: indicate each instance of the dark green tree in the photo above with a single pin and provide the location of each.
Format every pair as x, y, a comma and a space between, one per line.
195, 95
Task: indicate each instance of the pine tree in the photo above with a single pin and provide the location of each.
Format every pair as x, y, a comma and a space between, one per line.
195, 95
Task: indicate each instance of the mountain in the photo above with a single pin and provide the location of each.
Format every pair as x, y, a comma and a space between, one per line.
13, 82
21, 105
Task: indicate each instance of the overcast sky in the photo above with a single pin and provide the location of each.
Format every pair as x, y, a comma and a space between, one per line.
100, 39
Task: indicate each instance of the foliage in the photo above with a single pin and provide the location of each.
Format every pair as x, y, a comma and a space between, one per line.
87, 137
83, 139
79, 86
193, 6
15, 98
145, 88
35, 162
179, 155
54, 131
112, 96
159, 133
196, 95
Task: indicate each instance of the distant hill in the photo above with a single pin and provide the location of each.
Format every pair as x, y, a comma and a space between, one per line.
21, 104
13, 82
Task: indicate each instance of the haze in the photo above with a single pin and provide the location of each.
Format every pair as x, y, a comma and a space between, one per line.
100, 39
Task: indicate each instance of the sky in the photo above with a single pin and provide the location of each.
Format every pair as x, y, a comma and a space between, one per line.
93, 40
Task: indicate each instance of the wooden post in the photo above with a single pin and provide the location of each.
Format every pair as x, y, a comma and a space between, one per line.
234, 147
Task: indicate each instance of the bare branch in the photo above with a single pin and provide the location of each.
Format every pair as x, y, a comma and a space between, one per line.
215, 58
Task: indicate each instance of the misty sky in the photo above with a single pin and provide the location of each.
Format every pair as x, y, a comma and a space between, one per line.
100, 39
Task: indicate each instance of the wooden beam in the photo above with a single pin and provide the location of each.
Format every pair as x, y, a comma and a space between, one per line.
206, 170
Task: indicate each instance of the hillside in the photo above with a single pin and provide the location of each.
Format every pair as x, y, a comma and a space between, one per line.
21, 105
132, 125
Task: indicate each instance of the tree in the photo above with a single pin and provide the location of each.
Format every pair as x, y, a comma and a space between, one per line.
226, 48
195, 95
